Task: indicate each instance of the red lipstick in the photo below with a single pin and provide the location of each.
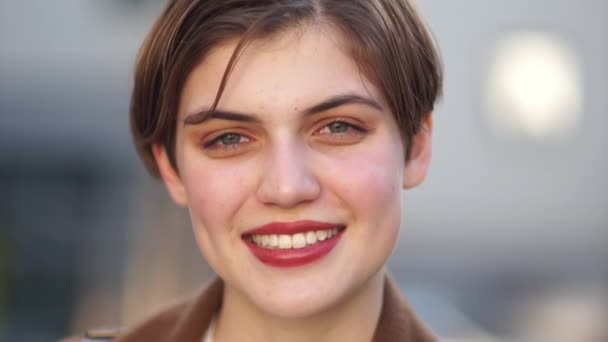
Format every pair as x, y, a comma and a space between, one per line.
290, 257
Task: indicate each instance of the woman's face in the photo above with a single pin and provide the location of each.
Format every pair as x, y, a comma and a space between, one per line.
300, 143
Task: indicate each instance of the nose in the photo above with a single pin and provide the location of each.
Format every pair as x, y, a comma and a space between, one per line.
288, 178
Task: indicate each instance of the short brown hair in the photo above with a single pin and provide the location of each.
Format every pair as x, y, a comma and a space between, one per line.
388, 39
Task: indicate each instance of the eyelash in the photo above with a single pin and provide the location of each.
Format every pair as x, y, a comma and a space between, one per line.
216, 143
350, 126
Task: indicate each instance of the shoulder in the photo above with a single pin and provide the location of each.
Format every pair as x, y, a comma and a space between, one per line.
95, 335
71, 339
186, 321
153, 328
156, 327
398, 321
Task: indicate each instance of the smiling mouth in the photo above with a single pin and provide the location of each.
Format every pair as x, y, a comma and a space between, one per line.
287, 244
293, 241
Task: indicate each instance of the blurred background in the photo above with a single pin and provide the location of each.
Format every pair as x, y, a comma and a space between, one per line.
506, 240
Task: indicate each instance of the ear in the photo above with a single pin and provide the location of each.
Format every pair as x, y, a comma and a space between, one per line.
169, 175
420, 154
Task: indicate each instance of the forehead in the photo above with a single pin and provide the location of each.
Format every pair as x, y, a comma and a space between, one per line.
290, 70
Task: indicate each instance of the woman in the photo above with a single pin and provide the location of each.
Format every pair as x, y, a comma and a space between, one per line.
288, 129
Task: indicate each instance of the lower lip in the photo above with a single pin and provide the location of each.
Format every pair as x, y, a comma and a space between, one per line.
291, 257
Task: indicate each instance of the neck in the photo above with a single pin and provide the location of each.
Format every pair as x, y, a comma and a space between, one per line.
352, 319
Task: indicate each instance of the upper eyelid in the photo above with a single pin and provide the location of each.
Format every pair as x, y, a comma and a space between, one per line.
221, 131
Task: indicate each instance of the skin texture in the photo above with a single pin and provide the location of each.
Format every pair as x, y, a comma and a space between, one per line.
289, 165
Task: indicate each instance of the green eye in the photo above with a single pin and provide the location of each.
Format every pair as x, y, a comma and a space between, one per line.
338, 127
340, 132
230, 139
227, 140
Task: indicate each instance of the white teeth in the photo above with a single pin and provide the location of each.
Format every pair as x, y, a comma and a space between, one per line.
284, 241
311, 238
273, 240
299, 240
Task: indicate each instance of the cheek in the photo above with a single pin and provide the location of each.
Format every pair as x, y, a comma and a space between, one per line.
369, 185
369, 182
215, 191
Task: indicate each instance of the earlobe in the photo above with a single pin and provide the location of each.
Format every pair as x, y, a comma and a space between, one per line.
417, 166
169, 175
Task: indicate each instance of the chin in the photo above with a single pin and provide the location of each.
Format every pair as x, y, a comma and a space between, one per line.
288, 305
294, 297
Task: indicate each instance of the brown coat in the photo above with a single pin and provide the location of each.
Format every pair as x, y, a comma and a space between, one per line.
187, 322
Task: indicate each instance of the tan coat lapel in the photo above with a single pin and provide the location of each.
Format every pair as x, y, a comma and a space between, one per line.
398, 322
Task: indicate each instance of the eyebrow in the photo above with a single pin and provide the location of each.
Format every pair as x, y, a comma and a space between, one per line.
332, 102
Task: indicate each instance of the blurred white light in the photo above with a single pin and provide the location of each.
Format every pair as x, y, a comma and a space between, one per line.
564, 316
534, 87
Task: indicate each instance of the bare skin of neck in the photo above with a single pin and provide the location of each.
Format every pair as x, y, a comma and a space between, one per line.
353, 319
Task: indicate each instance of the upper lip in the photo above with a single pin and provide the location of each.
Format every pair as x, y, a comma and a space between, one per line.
292, 227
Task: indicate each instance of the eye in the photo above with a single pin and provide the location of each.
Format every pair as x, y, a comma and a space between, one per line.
340, 132
340, 127
227, 140
230, 139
